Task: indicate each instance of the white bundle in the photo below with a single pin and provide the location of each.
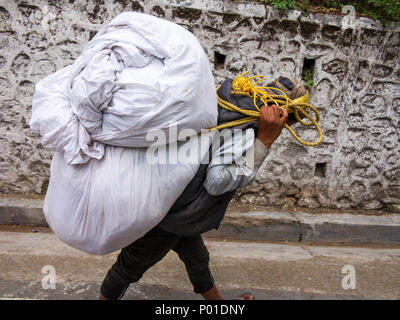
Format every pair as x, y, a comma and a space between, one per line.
137, 76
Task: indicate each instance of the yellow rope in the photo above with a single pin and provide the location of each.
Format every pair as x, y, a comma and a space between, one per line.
245, 86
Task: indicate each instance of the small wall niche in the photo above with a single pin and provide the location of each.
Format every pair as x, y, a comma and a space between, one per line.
320, 170
308, 64
219, 60
308, 73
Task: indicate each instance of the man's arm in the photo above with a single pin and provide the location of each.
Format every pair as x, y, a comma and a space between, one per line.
222, 178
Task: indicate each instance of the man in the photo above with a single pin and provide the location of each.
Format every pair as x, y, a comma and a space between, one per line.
203, 203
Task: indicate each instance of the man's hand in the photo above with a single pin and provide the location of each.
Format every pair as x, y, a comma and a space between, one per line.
270, 124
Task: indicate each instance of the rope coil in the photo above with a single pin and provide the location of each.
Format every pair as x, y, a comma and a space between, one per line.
244, 86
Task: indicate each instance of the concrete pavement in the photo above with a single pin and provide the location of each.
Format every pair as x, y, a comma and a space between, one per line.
271, 271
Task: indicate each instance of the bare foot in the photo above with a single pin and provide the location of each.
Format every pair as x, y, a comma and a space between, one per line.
212, 294
245, 296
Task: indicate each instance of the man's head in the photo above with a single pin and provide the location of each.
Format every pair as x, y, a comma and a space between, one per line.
293, 88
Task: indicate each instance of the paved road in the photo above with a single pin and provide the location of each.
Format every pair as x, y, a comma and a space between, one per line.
271, 271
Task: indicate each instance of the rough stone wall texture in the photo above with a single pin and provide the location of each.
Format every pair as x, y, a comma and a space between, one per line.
356, 75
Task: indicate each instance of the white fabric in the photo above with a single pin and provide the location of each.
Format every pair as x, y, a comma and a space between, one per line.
139, 74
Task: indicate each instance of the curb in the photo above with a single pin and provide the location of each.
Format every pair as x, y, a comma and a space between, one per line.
256, 225
27, 212
350, 228
301, 226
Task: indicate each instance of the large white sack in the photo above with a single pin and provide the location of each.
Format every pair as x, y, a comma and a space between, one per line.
138, 75
81, 107
104, 205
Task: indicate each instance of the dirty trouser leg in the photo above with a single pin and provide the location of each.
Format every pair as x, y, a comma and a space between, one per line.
193, 252
135, 259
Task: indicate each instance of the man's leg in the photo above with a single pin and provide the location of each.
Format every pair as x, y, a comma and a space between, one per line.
134, 260
194, 254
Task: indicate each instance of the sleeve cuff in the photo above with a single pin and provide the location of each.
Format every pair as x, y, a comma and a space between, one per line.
260, 153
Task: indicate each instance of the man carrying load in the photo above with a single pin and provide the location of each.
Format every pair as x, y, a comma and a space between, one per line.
202, 205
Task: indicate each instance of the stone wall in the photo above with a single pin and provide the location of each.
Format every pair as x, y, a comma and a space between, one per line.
356, 75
